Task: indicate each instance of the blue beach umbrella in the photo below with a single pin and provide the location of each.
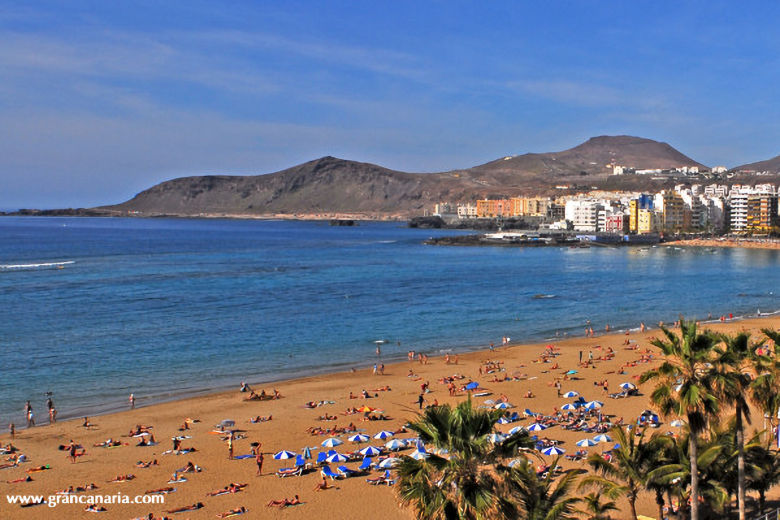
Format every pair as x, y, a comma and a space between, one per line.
472, 386
586, 443
569, 406
284, 454
384, 434
627, 386
592, 405
503, 406
515, 430
536, 427
571, 393
337, 457
395, 444
419, 455
388, 462
332, 442
553, 450
503, 420
359, 438
370, 451
571, 372
602, 438
496, 438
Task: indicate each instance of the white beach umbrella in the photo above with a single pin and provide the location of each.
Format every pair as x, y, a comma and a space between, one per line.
370, 451
592, 405
504, 406
602, 438
568, 406
496, 438
419, 455
332, 442
359, 438
503, 420
586, 443
571, 393
536, 427
388, 463
490, 402
553, 450
395, 444
627, 386
284, 454
384, 434
515, 430
337, 457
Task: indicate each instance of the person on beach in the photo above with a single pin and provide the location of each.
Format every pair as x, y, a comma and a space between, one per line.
285, 502
30, 418
420, 401
233, 512
322, 485
259, 460
12, 430
193, 507
230, 446
49, 403
131, 399
52, 415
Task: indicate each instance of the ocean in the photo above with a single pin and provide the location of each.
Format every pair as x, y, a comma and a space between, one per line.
166, 308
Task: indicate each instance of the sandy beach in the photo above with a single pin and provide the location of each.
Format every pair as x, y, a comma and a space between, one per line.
748, 243
351, 498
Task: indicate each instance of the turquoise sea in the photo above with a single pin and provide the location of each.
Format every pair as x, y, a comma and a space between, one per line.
168, 307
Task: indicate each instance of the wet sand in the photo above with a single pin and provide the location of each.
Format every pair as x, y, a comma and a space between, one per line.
352, 498
730, 242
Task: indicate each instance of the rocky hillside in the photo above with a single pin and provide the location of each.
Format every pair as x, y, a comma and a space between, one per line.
331, 185
770, 165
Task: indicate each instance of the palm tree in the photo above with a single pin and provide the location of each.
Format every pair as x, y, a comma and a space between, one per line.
466, 484
763, 471
595, 508
767, 384
544, 497
626, 473
683, 387
736, 365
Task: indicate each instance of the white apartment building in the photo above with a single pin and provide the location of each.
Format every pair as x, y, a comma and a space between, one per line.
716, 190
467, 211
583, 214
738, 200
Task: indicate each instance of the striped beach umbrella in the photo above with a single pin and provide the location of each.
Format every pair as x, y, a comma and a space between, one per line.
627, 386
370, 451
337, 457
553, 450
284, 454
395, 444
503, 406
536, 427
384, 434
571, 393
503, 420
332, 442
419, 455
602, 438
359, 438
515, 430
569, 406
306, 452
593, 405
586, 443
496, 438
388, 462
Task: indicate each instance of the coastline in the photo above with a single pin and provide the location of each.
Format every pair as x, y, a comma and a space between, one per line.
746, 243
352, 497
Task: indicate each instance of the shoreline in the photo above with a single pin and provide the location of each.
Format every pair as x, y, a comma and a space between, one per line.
745, 243
352, 497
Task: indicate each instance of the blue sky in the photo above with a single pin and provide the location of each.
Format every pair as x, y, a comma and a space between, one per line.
99, 100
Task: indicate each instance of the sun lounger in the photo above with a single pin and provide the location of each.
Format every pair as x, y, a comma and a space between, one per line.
289, 472
327, 472
366, 465
346, 472
321, 456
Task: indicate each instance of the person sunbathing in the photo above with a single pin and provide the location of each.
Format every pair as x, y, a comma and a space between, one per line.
139, 429
108, 443
285, 502
322, 485
233, 512
160, 491
142, 464
385, 388
122, 478
261, 418
230, 488
193, 507
252, 397
92, 508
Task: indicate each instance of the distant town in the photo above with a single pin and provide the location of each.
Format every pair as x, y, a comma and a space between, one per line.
714, 209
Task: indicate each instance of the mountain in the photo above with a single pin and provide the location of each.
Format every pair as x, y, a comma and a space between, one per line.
330, 185
770, 165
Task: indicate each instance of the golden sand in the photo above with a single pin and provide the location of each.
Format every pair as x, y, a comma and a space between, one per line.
351, 498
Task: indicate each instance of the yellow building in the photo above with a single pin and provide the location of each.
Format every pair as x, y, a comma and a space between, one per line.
647, 221
672, 208
488, 208
762, 213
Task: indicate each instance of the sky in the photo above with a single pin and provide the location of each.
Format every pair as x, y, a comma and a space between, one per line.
100, 100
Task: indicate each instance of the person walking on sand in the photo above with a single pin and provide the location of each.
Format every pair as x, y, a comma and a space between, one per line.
30, 418
420, 401
230, 446
131, 399
12, 430
580, 357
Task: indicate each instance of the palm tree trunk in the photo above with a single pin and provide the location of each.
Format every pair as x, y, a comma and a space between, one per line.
740, 463
659, 499
632, 503
761, 501
693, 454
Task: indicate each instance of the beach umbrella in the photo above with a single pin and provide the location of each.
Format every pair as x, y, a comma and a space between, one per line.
515, 430
503, 406
332, 442
571, 372
503, 420
419, 455
536, 427
226, 423
627, 386
370, 451
337, 457
586, 442
553, 450
569, 406
395, 444
528, 412
388, 462
602, 438
365, 409
490, 402
677, 423
284, 454
472, 386
306, 452
496, 438
592, 405
571, 393
384, 434
359, 438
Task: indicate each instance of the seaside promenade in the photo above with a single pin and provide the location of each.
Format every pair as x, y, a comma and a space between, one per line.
295, 426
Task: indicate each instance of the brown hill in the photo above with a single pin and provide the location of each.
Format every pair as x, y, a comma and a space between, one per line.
770, 165
331, 185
